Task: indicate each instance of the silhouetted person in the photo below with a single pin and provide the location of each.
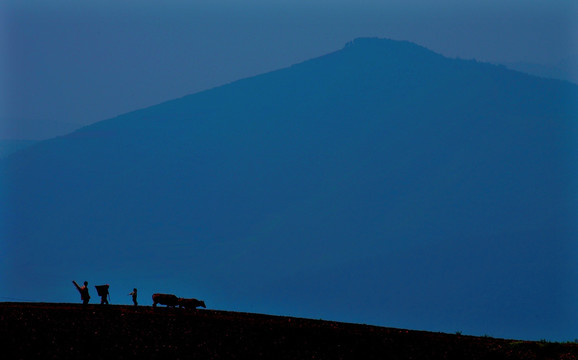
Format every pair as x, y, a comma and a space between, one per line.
83, 290
133, 293
102, 291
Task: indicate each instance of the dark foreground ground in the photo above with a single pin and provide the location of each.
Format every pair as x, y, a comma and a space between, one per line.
69, 331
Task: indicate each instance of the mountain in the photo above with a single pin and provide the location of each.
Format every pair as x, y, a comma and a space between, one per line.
382, 183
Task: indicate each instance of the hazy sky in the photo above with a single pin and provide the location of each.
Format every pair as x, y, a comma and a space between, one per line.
65, 64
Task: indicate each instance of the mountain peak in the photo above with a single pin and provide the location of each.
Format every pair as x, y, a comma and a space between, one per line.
385, 45
375, 42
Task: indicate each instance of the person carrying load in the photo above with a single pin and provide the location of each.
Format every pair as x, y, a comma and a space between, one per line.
83, 290
102, 291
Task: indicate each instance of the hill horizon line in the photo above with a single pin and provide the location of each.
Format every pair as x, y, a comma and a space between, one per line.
165, 310
113, 331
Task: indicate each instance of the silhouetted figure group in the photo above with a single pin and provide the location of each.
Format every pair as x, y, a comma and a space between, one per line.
102, 291
169, 300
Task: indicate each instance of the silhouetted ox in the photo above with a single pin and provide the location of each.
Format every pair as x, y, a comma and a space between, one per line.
171, 300
191, 303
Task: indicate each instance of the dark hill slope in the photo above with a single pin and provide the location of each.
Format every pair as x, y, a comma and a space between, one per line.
381, 183
65, 331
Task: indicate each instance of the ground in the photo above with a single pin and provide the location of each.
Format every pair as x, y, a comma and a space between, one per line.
71, 331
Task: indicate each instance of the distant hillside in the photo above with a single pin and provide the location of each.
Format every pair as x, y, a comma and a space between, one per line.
382, 183
552, 72
65, 331
8, 147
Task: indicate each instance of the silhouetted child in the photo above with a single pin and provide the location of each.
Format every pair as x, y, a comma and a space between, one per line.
83, 290
133, 293
102, 291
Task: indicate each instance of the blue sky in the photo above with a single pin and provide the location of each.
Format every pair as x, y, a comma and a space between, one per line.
65, 64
